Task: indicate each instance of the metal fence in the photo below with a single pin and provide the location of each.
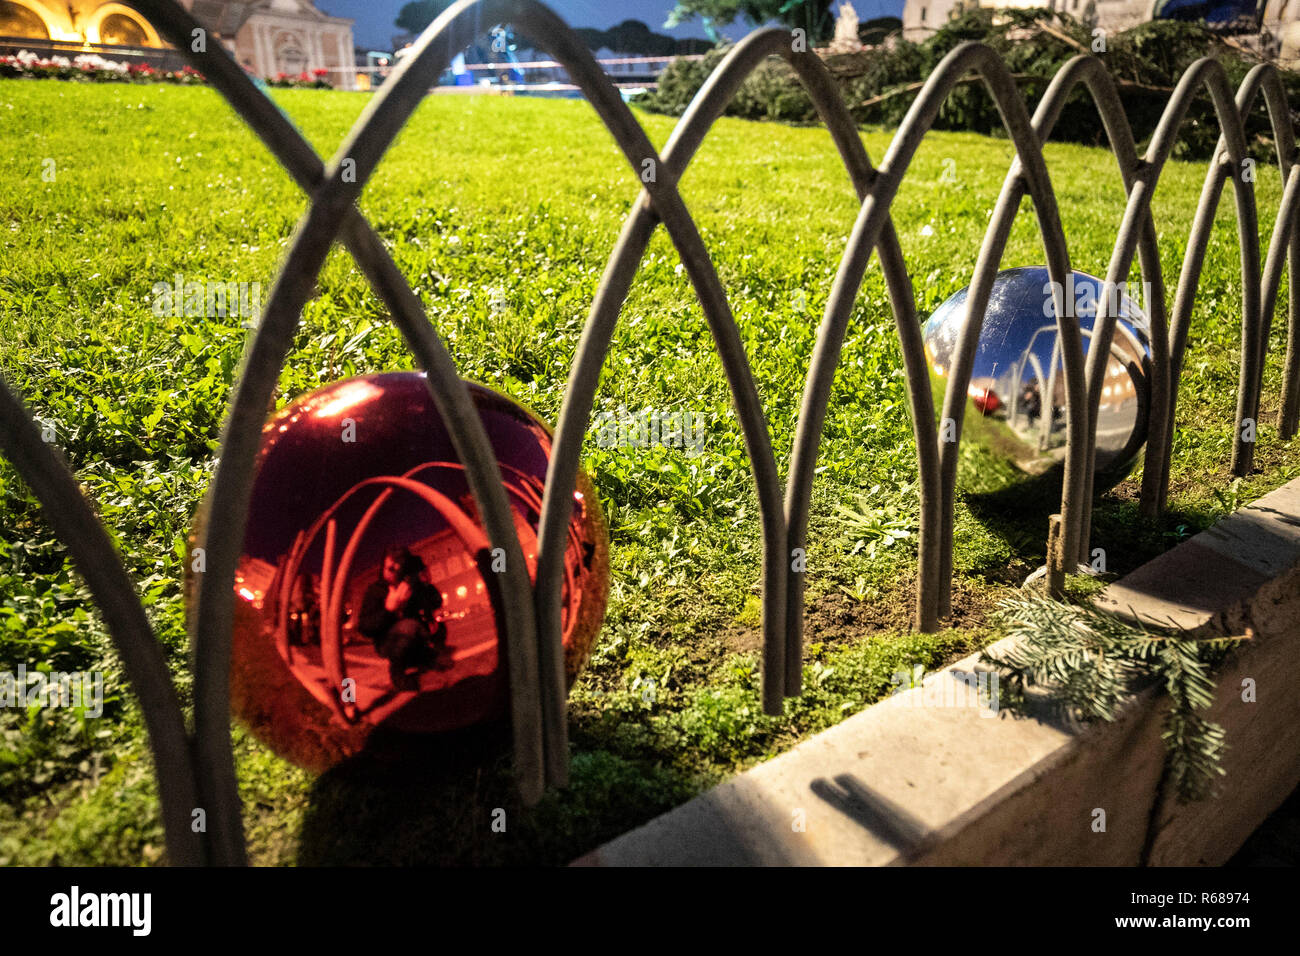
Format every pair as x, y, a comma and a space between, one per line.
194, 765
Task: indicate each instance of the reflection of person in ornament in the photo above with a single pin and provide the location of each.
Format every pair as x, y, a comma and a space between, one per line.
398, 614
304, 614
1032, 401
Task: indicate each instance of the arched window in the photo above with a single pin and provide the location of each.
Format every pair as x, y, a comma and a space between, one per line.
116, 25
121, 30
19, 21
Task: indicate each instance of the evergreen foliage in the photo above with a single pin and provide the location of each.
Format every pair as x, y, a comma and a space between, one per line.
1090, 661
880, 84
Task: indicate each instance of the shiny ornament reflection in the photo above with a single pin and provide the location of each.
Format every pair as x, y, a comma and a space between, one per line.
1016, 413
365, 588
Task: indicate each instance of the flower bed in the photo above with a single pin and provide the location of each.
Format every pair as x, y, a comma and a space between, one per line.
95, 68
92, 67
314, 78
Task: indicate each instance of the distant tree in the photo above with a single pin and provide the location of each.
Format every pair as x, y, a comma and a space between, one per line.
415, 16
595, 39
812, 16
693, 45
633, 36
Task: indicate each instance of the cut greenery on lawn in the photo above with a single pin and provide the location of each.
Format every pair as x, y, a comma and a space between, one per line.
502, 213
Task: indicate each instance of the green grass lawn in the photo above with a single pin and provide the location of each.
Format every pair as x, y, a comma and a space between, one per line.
502, 213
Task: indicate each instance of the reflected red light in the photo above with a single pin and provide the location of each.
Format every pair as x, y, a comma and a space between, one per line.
346, 477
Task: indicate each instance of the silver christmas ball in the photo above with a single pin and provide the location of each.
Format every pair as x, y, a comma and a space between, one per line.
1016, 409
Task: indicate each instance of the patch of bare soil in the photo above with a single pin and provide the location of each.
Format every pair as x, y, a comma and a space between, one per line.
1126, 490
835, 618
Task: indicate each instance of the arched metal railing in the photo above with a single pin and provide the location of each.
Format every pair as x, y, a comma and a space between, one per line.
195, 767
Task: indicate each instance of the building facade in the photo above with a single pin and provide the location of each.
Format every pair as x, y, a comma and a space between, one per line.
1279, 34
268, 37
923, 17
1282, 21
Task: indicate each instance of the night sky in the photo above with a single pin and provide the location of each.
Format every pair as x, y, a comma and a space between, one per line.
374, 18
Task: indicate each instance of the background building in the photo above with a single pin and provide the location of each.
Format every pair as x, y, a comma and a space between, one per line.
268, 37
923, 17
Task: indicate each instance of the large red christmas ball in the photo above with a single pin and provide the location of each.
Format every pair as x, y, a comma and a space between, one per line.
365, 587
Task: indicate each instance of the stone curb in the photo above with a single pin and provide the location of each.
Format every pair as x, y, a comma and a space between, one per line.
909, 782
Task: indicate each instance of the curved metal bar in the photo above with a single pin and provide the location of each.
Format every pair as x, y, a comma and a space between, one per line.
1266, 78
68, 513
450, 396
661, 194
594, 344
232, 485
365, 145
1091, 73
965, 58
807, 441
1209, 74
708, 104
1229, 155
537, 20
1027, 139
579, 397
1288, 420
1284, 231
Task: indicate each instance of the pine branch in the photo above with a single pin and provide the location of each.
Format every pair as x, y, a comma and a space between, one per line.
1089, 660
